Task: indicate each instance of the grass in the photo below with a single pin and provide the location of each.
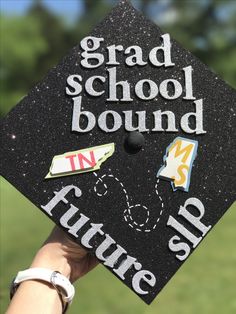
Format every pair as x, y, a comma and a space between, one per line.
205, 284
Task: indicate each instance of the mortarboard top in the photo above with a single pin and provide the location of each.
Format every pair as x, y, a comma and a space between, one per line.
128, 145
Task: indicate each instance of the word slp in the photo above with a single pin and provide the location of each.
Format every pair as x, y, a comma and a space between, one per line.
184, 240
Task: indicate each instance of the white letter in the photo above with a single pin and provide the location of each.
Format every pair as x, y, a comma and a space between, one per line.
198, 118
153, 89
90, 44
141, 127
111, 259
126, 265
188, 83
89, 86
113, 87
60, 197
177, 87
112, 54
102, 121
77, 113
181, 229
195, 221
176, 247
170, 121
143, 275
73, 83
95, 228
166, 49
77, 225
136, 58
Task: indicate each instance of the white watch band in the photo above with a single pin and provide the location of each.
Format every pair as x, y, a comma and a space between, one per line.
60, 282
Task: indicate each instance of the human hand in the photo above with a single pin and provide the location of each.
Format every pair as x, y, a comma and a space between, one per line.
60, 253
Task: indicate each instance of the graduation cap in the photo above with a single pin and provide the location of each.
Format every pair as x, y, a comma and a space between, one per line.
127, 144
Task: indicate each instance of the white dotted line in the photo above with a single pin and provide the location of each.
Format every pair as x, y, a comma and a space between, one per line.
162, 204
104, 184
127, 212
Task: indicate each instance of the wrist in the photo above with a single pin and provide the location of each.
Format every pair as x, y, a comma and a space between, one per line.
42, 280
51, 256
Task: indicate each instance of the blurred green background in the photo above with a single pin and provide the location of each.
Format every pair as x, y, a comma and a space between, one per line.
34, 36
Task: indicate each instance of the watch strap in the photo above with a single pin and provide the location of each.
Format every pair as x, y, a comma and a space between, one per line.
58, 281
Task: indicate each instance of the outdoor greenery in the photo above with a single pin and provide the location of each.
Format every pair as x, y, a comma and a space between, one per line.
30, 46
205, 284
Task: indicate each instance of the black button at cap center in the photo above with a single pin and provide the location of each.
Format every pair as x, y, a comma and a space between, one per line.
134, 142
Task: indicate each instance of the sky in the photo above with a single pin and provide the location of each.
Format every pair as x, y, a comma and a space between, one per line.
72, 9
67, 8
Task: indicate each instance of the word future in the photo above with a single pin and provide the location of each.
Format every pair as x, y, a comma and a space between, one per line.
119, 261
120, 91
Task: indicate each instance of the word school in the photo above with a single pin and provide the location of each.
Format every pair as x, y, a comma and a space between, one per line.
120, 91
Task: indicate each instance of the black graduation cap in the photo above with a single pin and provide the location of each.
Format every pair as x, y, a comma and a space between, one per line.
127, 144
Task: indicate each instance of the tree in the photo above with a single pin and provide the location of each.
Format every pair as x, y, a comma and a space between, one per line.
207, 29
32, 44
54, 32
21, 46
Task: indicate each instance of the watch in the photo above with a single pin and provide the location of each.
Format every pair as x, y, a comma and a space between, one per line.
62, 284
